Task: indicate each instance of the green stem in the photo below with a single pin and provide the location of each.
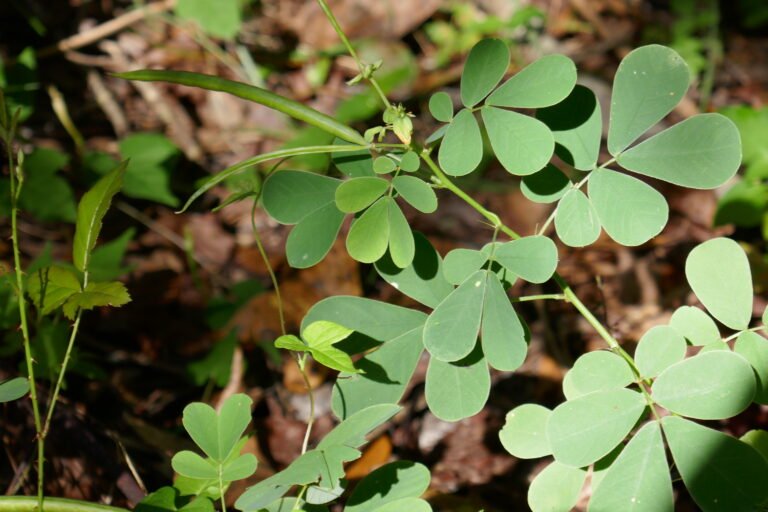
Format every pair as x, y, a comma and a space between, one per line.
753, 329
30, 504
311, 419
221, 489
543, 296
270, 271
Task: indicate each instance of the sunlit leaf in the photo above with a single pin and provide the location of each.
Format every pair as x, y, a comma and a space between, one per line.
358, 194
532, 258
461, 263
416, 192
462, 147
542, 83
695, 325
556, 488
576, 220
441, 107
522, 143
387, 484
754, 348
458, 390
658, 349
485, 67
401, 244
369, 235
596, 371
524, 432
502, 334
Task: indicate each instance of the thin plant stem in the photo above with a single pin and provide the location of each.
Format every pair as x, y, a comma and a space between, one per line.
270, 271
311, 419
753, 329
221, 488
543, 296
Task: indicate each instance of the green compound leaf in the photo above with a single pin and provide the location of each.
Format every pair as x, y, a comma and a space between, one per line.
754, 348
722, 473
638, 480
719, 274
410, 162
219, 18
239, 468
532, 258
451, 330
576, 220
369, 235
13, 389
320, 336
485, 67
702, 152
217, 434
416, 192
95, 295
462, 147
695, 326
596, 371
542, 83
689, 389
191, 465
461, 263
401, 244
502, 334
458, 390
584, 430
423, 279
556, 488
50, 287
441, 107
290, 196
522, 144
545, 186
577, 126
90, 213
388, 484
311, 239
524, 432
658, 349
650, 81
358, 194
384, 165
631, 212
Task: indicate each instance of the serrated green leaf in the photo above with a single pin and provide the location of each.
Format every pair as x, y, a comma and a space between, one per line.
532, 258
90, 213
721, 473
576, 220
754, 348
658, 349
556, 488
461, 263
687, 388
649, 82
577, 126
416, 192
217, 434
358, 194
50, 287
458, 390
369, 235
638, 480
719, 274
502, 334
522, 143
441, 107
401, 244
97, 294
695, 325
191, 465
596, 371
524, 432
583, 430
545, 186
485, 67
389, 484
462, 148
13, 389
311, 239
450, 332
702, 152
542, 83
630, 211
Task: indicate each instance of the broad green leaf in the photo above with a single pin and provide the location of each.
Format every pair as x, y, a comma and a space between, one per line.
524, 432
638, 480
462, 147
441, 107
556, 488
720, 472
217, 434
410, 162
353, 430
577, 126
320, 495
584, 430
758, 440
650, 81
90, 213
532, 258
702, 152
291, 342
192, 465
423, 279
45, 194
358, 194
13, 389
754, 348
324, 333
384, 165
311, 239
107, 259
369, 235
542, 83
689, 389
416, 192
719, 274
485, 67
401, 244
458, 390
601, 467
596, 371
290, 196
355, 163
379, 320
522, 143
502, 334
743, 205
461, 263
409, 504
97, 294
388, 371
545, 186
387, 484
752, 124
50, 287
334, 358
451, 330
219, 18
658, 349
695, 325
216, 367
630, 211
240, 468
151, 159
576, 220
